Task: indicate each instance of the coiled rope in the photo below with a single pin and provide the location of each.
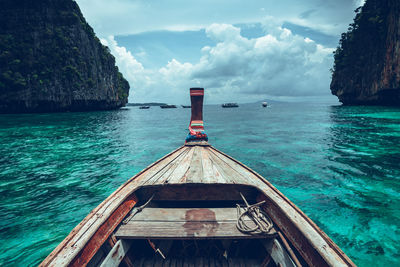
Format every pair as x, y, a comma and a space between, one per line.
263, 223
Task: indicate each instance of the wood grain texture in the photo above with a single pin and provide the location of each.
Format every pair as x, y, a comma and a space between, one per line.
186, 214
103, 233
116, 254
195, 172
179, 174
185, 223
181, 230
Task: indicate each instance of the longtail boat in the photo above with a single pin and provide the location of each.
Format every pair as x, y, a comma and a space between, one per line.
230, 105
197, 206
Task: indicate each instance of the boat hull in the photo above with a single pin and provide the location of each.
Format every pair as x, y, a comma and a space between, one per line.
198, 175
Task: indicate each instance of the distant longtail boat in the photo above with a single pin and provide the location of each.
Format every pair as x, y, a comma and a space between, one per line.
197, 207
230, 105
167, 106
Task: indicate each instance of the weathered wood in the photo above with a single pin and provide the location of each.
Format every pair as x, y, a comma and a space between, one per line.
243, 175
165, 173
117, 253
186, 214
112, 240
182, 230
178, 176
207, 165
102, 234
195, 173
184, 223
278, 254
230, 175
286, 245
168, 164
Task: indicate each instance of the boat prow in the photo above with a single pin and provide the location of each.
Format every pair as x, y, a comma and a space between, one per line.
189, 208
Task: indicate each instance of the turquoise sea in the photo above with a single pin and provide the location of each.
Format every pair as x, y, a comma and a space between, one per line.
340, 165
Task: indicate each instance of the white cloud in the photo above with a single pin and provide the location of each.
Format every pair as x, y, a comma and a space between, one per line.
276, 65
124, 58
122, 17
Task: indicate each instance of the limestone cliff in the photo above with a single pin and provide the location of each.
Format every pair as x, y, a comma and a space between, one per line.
367, 61
51, 60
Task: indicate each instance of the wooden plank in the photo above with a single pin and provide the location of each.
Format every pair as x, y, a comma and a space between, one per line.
184, 230
247, 177
278, 254
236, 173
164, 167
116, 254
112, 240
229, 175
179, 174
195, 173
208, 172
163, 175
186, 214
217, 176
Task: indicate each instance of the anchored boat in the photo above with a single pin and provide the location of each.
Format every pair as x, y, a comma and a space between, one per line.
168, 106
230, 105
197, 207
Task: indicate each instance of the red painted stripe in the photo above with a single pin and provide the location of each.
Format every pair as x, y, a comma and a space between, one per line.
196, 92
104, 231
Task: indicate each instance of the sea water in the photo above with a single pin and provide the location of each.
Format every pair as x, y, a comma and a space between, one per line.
340, 165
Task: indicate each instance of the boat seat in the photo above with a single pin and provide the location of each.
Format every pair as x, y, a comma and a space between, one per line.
185, 223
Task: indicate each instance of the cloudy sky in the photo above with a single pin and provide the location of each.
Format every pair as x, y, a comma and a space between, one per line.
240, 51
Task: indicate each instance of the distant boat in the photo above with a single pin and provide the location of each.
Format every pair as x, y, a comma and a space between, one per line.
230, 105
167, 106
144, 107
264, 104
186, 106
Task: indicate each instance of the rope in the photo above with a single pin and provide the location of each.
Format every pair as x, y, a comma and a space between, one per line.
139, 209
263, 223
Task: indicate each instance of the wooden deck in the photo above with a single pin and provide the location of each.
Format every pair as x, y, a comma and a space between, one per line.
197, 164
182, 223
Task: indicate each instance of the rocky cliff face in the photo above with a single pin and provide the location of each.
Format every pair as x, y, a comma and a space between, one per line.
51, 60
367, 61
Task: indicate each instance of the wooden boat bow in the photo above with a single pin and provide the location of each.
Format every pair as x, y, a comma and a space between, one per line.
193, 191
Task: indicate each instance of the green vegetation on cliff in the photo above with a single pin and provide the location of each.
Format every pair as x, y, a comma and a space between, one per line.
360, 67
51, 60
364, 39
